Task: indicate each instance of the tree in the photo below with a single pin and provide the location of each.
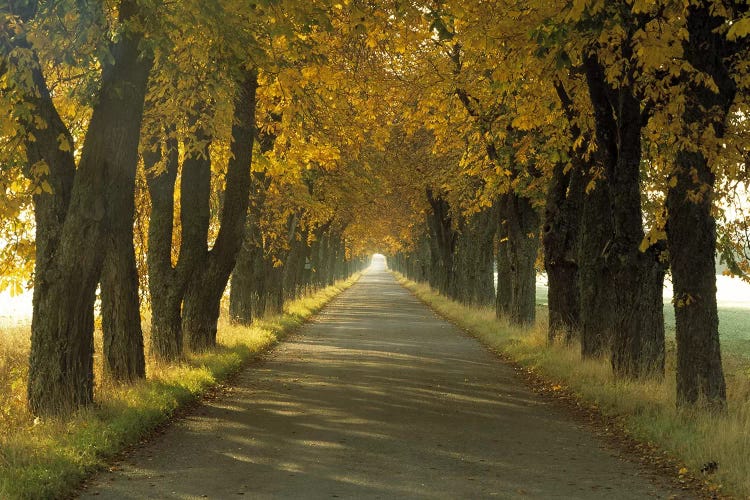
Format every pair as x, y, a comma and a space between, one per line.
709, 87
72, 219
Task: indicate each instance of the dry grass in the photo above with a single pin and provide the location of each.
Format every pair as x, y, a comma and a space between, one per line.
647, 408
48, 459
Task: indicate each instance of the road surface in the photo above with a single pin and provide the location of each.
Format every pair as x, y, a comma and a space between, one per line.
377, 398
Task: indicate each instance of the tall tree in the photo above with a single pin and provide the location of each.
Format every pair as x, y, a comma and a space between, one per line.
71, 222
690, 225
202, 300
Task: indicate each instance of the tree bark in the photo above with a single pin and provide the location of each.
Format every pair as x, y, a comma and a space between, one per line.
474, 259
443, 239
638, 342
248, 286
202, 301
504, 288
61, 357
523, 245
691, 233
294, 267
124, 359
596, 284
560, 242
560, 232
691, 229
167, 282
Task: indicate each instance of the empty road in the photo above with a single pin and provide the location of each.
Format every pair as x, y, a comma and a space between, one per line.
377, 398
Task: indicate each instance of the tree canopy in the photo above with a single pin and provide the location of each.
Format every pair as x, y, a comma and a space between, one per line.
150, 146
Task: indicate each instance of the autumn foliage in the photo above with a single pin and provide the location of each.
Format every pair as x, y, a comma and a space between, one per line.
152, 149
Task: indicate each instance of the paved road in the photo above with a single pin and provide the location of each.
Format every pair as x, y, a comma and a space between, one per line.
377, 398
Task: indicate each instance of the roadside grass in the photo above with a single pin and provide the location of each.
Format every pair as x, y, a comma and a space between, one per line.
50, 458
646, 409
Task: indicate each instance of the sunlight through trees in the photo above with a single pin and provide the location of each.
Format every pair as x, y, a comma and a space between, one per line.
154, 153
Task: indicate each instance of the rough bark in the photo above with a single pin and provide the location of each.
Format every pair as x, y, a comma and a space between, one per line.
560, 232
691, 229
124, 359
201, 305
248, 275
331, 256
246, 285
560, 242
294, 267
596, 285
474, 259
691, 233
523, 244
443, 240
274, 300
504, 288
61, 363
638, 342
167, 282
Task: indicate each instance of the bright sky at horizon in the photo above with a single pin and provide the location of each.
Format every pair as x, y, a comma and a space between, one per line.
378, 262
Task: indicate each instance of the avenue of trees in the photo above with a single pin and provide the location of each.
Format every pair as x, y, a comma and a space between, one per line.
155, 152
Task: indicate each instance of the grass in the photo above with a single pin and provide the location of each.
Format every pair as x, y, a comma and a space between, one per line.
49, 459
646, 409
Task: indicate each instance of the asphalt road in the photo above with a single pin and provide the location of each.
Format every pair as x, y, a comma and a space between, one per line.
377, 398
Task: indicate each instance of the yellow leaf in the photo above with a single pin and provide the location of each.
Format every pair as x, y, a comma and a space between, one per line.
63, 141
645, 243
739, 29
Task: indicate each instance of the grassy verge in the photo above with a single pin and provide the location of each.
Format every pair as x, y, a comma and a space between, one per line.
48, 459
646, 409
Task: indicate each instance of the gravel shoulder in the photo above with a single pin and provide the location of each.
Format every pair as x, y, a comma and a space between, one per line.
378, 398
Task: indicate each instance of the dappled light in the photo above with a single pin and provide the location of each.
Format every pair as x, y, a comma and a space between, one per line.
378, 398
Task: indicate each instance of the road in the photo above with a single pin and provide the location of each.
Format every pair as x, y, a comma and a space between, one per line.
378, 398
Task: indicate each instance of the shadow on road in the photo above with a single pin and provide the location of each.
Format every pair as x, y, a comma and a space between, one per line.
377, 398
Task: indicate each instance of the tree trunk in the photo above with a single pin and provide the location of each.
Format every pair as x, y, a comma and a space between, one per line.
691, 233
462, 262
124, 359
560, 233
291, 265
202, 301
504, 288
274, 299
245, 282
523, 244
474, 259
638, 343
691, 229
560, 242
61, 362
596, 285
443, 238
247, 275
168, 282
